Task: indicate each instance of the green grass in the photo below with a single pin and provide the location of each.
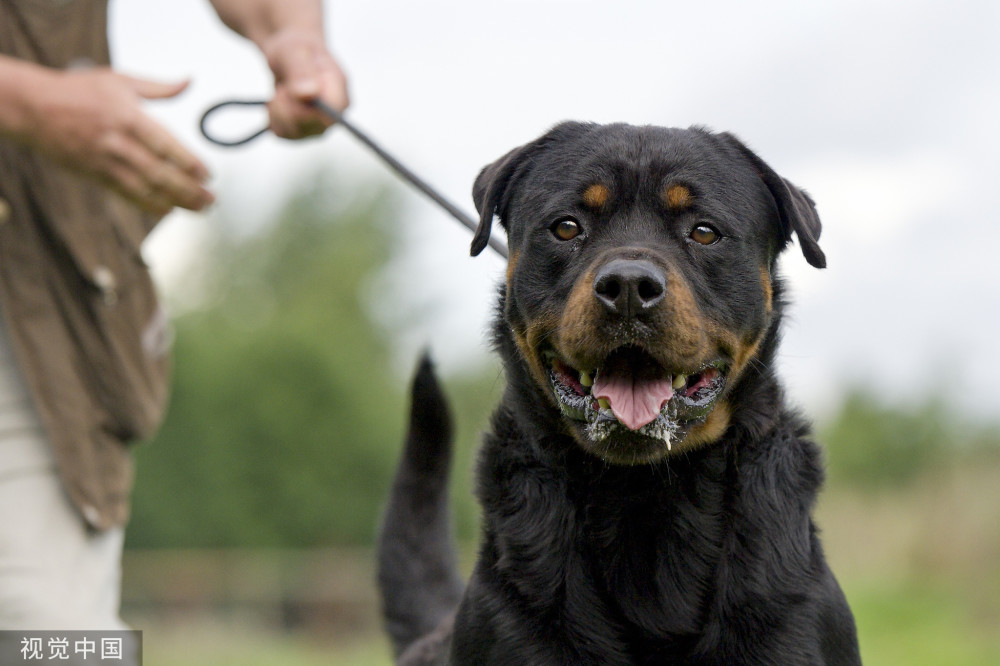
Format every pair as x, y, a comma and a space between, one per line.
906, 621
922, 623
920, 565
216, 645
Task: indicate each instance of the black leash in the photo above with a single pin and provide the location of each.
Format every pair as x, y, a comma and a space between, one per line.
335, 115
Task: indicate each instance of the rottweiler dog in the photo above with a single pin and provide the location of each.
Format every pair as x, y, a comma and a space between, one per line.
646, 492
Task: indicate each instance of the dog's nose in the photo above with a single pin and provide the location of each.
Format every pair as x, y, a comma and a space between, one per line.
627, 287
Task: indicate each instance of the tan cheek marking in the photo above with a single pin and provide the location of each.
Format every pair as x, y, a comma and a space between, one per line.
744, 350
741, 351
577, 316
596, 196
677, 197
511, 266
743, 357
765, 279
711, 430
528, 342
686, 324
526, 354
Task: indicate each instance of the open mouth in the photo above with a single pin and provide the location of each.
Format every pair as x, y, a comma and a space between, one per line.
631, 391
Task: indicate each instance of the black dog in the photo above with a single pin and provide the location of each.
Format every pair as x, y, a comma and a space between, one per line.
646, 493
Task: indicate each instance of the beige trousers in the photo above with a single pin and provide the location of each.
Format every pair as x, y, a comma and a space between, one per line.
55, 573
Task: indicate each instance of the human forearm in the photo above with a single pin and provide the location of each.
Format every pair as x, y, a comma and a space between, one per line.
260, 20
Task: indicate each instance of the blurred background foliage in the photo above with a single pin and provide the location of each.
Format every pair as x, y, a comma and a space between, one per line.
875, 444
288, 413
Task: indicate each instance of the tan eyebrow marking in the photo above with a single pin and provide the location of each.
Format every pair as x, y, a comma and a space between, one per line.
677, 196
596, 196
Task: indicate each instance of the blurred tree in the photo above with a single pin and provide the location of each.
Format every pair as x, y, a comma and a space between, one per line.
869, 443
872, 444
286, 417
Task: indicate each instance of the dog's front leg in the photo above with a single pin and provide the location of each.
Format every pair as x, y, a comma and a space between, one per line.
532, 599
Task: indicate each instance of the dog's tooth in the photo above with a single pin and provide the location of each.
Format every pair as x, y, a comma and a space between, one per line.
603, 402
586, 380
679, 381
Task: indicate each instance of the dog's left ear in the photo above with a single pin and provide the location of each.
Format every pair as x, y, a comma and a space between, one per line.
796, 210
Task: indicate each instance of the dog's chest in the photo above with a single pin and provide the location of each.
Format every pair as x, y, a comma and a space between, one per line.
654, 541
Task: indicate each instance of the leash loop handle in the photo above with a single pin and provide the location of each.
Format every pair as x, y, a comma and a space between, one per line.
229, 143
336, 116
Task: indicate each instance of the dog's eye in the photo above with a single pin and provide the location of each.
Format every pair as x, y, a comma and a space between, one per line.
566, 229
704, 234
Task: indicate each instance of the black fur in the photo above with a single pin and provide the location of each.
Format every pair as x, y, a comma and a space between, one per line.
418, 573
704, 554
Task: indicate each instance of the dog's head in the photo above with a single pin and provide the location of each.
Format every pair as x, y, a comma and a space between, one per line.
640, 284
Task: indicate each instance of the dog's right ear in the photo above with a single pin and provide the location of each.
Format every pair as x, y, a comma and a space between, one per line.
494, 185
489, 191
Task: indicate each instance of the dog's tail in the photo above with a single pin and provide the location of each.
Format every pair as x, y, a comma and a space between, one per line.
417, 568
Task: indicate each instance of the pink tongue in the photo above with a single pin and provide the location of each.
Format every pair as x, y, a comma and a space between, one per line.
633, 402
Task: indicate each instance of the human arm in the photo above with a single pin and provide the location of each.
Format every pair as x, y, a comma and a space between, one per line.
91, 121
290, 35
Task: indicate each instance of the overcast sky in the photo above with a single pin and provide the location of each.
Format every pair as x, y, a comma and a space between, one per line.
885, 111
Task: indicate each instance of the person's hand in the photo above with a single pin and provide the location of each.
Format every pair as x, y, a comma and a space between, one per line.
91, 120
304, 70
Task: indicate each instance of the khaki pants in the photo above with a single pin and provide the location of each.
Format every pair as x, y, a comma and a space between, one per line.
55, 573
